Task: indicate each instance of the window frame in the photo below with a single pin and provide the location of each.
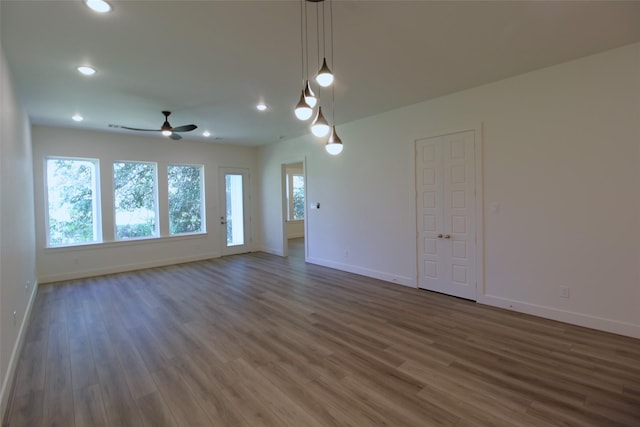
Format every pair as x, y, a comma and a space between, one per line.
203, 211
96, 205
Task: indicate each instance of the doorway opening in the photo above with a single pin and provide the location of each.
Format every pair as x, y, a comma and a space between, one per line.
294, 209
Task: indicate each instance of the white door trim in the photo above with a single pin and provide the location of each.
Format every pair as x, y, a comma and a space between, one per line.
478, 129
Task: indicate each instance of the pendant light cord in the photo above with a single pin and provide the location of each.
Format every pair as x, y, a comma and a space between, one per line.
324, 36
333, 86
306, 38
301, 42
318, 33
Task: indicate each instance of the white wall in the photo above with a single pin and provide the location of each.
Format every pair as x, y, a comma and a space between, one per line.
561, 158
295, 229
17, 241
56, 264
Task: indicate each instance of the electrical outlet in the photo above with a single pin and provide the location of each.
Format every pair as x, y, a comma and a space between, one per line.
564, 292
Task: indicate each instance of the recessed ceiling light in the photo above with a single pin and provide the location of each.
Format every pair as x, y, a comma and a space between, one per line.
86, 70
206, 134
261, 106
77, 118
99, 6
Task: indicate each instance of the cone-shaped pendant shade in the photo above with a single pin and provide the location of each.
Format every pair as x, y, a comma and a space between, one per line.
320, 126
334, 144
325, 76
303, 111
309, 96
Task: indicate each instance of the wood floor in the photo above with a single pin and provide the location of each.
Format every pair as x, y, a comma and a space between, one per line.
259, 340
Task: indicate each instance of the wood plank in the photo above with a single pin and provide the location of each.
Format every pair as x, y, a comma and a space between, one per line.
155, 411
89, 406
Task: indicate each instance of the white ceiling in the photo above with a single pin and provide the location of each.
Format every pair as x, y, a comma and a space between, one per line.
210, 62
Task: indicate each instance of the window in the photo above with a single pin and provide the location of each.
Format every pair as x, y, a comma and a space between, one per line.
73, 201
186, 199
295, 196
135, 200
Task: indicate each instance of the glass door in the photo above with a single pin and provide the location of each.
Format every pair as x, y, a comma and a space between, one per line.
234, 211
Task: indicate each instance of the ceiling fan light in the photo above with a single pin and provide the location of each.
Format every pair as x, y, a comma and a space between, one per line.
309, 96
334, 143
325, 76
166, 127
303, 111
320, 127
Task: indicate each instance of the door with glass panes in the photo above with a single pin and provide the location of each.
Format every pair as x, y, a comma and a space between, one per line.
234, 212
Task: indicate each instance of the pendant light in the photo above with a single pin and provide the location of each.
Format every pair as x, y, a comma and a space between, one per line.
303, 111
308, 100
334, 143
320, 127
324, 77
309, 96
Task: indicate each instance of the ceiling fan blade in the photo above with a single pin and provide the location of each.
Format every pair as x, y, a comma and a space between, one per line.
175, 136
144, 130
185, 128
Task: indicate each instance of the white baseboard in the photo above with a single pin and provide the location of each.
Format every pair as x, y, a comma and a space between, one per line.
15, 354
400, 280
588, 321
593, 322
79, 274
271, 251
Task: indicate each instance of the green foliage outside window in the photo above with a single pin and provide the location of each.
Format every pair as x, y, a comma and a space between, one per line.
185, 199
298, 197
71, 196
135, 199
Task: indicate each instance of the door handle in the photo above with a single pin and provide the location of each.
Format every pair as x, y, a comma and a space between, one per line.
439, 236
446, 236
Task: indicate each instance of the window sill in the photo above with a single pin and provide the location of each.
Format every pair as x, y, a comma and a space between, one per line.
126, 242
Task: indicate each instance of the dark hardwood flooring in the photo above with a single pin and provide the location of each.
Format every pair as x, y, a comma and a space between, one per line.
260, 340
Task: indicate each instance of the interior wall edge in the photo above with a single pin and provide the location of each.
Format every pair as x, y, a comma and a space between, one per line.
272, 251
9, 379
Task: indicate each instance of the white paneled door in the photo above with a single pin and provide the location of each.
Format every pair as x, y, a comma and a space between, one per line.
445, 184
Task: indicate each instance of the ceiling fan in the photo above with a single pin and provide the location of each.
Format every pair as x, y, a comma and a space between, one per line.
167, 129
